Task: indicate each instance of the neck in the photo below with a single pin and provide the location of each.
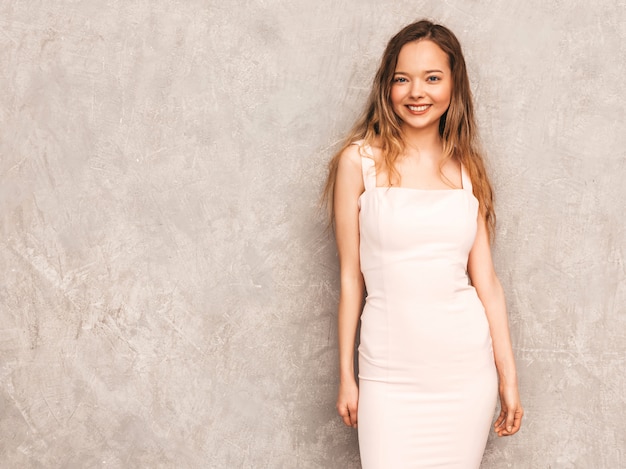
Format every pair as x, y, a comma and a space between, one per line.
423, 140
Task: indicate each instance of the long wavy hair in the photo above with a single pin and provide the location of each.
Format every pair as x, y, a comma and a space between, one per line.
457, 126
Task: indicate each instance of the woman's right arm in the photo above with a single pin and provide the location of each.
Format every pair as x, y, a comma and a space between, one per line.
348, 187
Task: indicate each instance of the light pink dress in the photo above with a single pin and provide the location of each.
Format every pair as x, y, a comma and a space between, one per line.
427, 378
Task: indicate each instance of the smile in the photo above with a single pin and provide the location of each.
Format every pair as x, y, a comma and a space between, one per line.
420, 108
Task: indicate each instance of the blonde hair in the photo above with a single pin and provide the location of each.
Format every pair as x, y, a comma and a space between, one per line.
457, 126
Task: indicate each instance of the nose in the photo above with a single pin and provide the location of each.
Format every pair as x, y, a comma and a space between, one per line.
417, 89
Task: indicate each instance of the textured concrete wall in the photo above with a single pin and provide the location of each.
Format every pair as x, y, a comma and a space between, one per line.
167, 297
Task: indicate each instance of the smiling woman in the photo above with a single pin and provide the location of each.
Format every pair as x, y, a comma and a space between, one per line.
422, 85
412, 210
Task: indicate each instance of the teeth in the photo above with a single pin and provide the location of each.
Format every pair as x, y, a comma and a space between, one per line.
419, 108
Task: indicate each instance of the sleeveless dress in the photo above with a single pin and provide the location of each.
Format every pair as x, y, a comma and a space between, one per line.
427, 377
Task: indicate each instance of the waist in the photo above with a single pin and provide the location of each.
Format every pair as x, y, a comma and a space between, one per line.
409, 279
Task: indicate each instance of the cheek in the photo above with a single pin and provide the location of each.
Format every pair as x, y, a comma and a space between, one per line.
396, 95
446, 96
446, 100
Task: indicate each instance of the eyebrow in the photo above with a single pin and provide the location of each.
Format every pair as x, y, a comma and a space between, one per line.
426, 71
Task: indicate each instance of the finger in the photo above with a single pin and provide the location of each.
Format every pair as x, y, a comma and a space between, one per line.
501, 427
500, 420
353, 417
514, 428
345, 416
510, 420
517, 422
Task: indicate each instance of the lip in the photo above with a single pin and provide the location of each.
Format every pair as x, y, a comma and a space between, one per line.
418, 109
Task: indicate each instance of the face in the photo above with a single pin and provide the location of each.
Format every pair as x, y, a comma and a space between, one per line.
422, 85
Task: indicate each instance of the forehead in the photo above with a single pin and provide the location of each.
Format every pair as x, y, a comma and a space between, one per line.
422, 55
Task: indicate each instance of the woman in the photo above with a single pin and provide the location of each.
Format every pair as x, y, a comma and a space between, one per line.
413, 213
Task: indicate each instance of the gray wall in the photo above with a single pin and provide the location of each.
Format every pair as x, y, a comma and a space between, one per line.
168, 292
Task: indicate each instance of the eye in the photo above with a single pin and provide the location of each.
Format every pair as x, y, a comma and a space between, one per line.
400, 80
433, 78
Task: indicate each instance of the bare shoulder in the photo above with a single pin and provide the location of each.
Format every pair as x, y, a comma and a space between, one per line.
365, 149
373, 149
350, 159
349, 170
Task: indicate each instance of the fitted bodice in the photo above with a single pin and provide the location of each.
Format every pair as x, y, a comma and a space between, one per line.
427, 234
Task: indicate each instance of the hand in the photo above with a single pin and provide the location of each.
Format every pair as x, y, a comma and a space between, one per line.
347, 403
511, 412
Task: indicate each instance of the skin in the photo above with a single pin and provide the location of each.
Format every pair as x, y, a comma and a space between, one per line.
423, 77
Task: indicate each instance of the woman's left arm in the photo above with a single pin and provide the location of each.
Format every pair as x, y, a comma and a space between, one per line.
484, 279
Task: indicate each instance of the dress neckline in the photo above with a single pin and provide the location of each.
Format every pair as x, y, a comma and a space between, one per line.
417, 189
368, 168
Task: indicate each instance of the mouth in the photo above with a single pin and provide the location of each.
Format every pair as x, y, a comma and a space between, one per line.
419, 108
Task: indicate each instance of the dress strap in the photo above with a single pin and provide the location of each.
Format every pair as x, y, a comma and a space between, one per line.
465, 179
368, 165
